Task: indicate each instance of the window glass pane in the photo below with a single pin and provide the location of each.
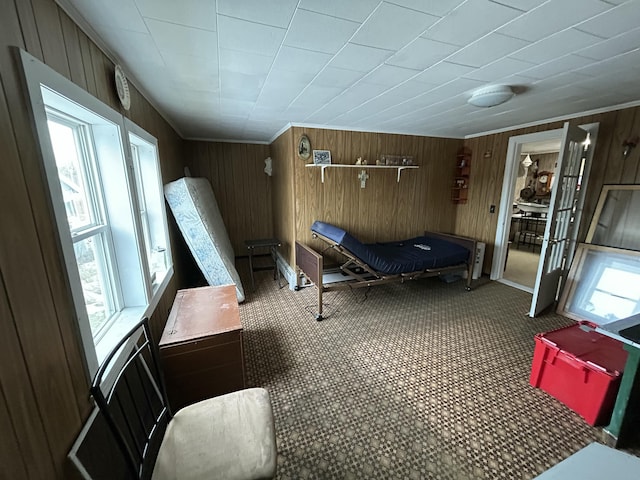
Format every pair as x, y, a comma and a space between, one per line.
92, 266
150, 203
73, 176
603, 285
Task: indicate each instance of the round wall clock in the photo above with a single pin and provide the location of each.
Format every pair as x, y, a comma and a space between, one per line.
122, 87
304, 147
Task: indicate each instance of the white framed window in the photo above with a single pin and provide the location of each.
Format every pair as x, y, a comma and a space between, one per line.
88, 224
103, 174
151, 211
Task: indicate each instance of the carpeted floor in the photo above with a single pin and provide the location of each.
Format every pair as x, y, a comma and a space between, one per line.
421, 380
522, 267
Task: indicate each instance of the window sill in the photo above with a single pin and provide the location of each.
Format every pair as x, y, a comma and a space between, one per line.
128, 318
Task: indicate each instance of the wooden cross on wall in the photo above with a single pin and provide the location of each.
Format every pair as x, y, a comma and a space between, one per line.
363, 176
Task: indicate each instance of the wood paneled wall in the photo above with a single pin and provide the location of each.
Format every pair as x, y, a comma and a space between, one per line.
241, 187
385, 209
43, 386
487, 171
284, 197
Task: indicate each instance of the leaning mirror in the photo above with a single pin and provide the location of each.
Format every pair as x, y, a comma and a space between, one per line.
616, 221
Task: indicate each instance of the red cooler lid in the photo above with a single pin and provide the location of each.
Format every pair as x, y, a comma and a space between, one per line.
583, 342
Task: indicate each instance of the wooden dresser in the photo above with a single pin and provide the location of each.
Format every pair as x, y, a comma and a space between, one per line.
201, 347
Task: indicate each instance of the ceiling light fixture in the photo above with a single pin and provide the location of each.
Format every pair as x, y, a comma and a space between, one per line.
491, 95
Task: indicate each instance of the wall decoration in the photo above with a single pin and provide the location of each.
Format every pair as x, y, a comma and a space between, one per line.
122, 88
322, 157
304, 148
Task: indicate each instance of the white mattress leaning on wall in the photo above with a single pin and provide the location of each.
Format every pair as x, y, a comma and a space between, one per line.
198, 217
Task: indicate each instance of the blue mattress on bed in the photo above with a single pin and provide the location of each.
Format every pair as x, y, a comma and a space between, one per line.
392, 258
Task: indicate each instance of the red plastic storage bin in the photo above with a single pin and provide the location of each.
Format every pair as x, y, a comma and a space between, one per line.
581, 368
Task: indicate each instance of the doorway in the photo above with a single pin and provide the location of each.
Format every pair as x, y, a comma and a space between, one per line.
534, 181
528, 216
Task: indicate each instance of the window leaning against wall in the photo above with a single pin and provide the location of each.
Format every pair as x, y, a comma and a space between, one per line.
106, 191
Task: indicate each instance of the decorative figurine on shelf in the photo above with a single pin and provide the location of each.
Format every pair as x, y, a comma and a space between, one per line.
364, 162
359, 161
379, 162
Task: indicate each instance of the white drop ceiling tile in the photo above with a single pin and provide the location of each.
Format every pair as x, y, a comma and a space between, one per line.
410, 89
552, 17
338, 77
350, 118
229, 106
375, 106
615, 21
360, 57
438, 8
557, 66
191, 13
622, 43
566, 93
279, 94
558, 81
297, 113
555, 46
499, 70
401, 110
118, 14
239, 86
486, 50
291, 78
181, 40
306, 62
244, 62
517, 80
389, 75
165, 90
443, 72
421, 53
349, 10
353, 97
318, 32
454, 88
619, 63
267, 113
471, 21
136, 49
277, 13
525, 5
320, 117
249, 37
318, 95
312, 99
391, 27
186, 81
209, 100
189, 65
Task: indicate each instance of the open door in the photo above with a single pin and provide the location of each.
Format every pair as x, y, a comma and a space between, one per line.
558, 232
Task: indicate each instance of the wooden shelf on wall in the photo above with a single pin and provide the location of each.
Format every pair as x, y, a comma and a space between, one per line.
460, 188
399, 168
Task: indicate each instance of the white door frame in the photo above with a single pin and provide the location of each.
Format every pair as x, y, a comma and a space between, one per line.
508, 193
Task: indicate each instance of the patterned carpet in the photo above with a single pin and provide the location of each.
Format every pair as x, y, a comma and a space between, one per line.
421, 380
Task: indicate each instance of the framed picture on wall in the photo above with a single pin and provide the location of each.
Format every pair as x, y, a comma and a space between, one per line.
322, 157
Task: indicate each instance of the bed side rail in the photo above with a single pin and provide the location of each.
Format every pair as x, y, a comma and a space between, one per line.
310, 263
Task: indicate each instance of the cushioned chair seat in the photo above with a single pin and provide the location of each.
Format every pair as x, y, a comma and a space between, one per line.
230, 437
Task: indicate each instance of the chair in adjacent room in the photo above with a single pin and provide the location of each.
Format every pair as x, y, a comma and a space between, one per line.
231, 436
